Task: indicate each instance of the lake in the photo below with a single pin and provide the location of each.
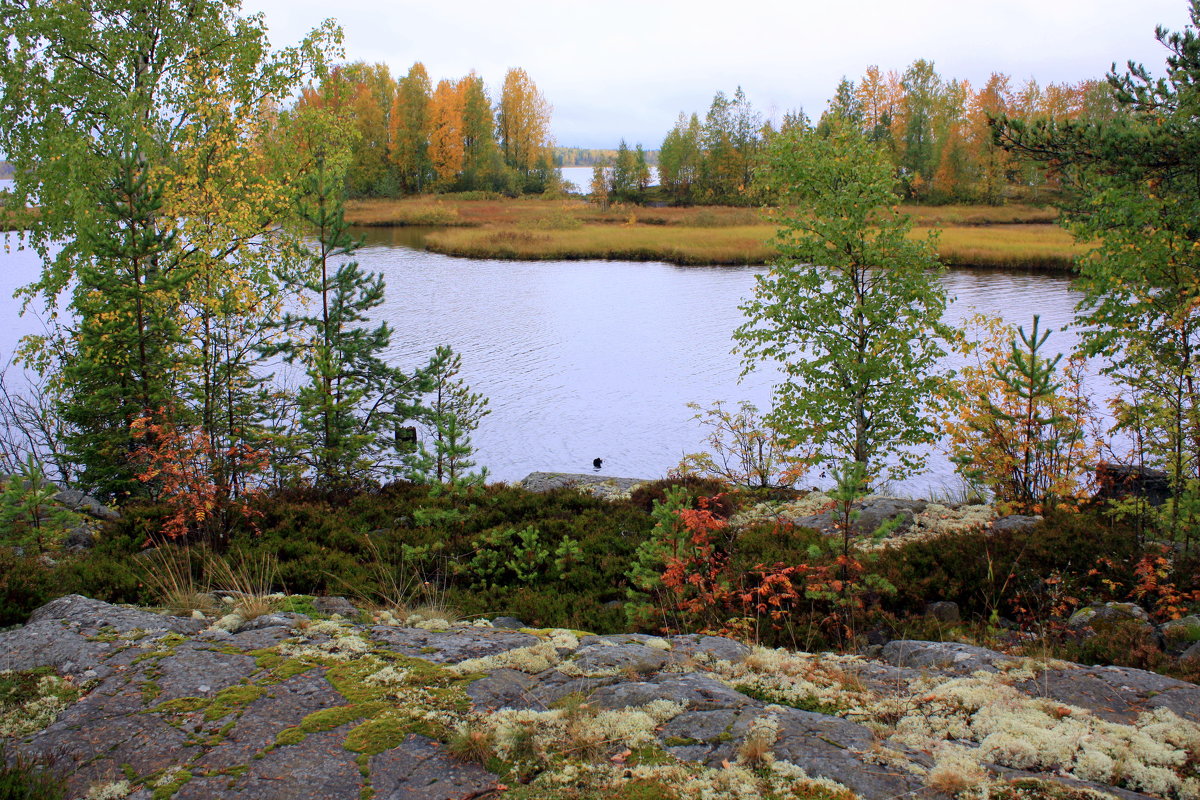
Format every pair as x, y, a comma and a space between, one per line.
594, 359
581, 177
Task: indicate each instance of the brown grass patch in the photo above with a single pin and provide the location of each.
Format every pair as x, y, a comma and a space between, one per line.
1042, 247
1014, 214
534, 228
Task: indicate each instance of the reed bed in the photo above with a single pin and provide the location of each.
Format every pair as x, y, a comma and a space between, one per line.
1046, 248
1015, 214
475, 209
676, 245
1037, 247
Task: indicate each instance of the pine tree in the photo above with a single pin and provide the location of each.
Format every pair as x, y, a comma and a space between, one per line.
349, 406
124, 351
449, 414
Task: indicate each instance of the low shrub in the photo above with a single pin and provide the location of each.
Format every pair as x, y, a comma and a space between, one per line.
26, 582
22, 778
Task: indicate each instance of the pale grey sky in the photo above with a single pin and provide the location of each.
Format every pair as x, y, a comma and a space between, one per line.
626, 68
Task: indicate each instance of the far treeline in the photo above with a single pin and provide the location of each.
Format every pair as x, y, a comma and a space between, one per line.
936, 133
413, 137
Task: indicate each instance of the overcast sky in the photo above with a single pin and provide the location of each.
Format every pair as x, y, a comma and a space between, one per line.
625, 69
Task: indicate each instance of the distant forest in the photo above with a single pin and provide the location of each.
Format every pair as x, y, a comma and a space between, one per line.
587, 157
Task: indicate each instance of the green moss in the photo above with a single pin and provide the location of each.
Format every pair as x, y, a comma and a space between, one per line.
153, 654
285, 669
293, 735
168, 790
807, 703
150, 692
428, 650
383, 733
651, 755
233, 699
105, 634
299, 604
680, 741
172, 640
329, 718
182, 705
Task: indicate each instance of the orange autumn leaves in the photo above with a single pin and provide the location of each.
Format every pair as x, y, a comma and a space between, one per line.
413, 136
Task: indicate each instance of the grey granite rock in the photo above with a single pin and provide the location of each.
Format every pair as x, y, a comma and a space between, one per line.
949, 657
211, 704
335, 605
943, 611
1015, 523
419, 769
451, 646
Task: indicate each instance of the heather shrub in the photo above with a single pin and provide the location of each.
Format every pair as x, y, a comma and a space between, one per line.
26, 582
1034, 573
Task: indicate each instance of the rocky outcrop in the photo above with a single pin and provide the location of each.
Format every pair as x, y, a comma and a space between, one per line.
593, 484
139, 705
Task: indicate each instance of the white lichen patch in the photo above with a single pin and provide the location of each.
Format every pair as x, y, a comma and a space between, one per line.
522, 734
168, 777
389, 675
428, 624
1156, 754
328, 639
51, 695
534, 659
114, 790
794, 679
938, 519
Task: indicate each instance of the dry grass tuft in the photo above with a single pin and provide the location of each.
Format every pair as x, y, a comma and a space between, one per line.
471, 745
172, 573
248, 579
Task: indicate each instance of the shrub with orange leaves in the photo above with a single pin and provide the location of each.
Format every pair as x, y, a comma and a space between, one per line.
1156, 587
205, 487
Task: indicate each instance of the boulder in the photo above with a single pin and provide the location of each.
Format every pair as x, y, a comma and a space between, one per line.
86, 504
943, 611
1122, 481
335, 605
1099, 615
1015, 523
950, 657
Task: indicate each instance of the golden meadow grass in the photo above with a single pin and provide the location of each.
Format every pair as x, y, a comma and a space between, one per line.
532, 229
1040, 247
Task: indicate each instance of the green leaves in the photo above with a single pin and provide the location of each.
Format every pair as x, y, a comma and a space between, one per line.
852, 312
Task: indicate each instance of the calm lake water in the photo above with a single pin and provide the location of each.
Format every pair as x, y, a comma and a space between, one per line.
588, 359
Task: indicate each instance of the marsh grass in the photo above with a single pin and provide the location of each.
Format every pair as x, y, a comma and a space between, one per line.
676, 245
1016, 246
1014, 214
538, 229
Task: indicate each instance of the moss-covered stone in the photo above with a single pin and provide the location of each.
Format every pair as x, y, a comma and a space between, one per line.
232, 699
182, 705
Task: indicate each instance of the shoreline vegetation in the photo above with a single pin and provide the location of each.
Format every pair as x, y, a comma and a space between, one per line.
1001, 237
1018, 236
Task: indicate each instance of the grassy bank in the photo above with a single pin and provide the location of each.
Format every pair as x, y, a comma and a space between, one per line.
1021, 237
1025, 246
